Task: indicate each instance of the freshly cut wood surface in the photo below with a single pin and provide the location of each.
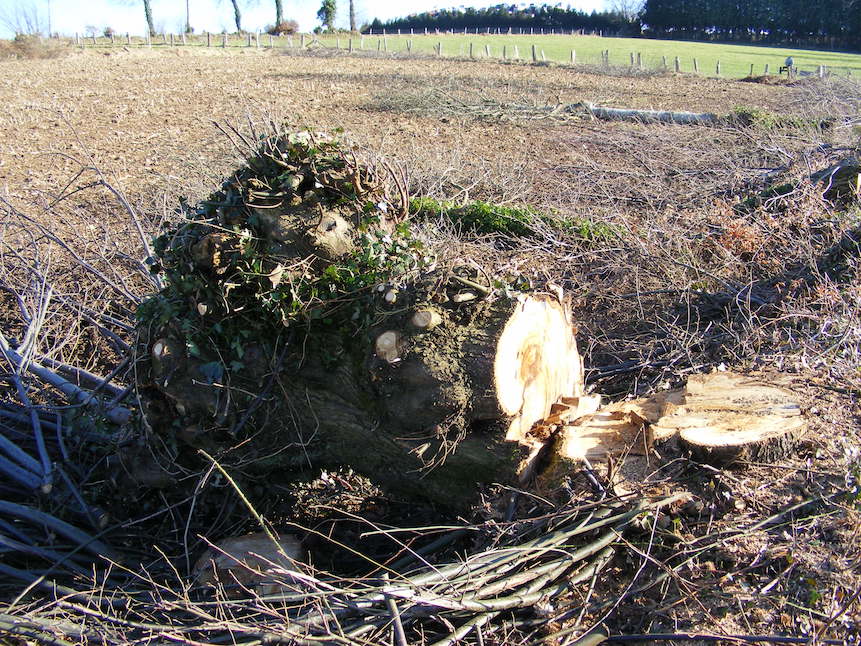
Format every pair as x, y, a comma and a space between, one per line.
536, 363
721, 418
727, 417
599, 436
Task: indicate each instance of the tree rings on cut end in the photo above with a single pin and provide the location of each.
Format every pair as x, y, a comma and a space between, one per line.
726, 418
536, 363
425, 320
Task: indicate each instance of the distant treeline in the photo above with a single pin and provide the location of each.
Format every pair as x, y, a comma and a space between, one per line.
506, 17
830, 23
824, 23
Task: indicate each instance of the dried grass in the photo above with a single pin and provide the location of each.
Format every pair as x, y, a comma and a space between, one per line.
33, 47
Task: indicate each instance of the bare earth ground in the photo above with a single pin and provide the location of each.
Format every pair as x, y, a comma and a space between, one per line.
146, 116
146, 120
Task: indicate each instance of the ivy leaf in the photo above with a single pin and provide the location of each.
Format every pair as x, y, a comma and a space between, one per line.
212, 371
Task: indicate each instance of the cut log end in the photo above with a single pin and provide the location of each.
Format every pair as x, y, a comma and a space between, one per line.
726, 418
388, 346
743, 439
721, 419
425, 320
536, 364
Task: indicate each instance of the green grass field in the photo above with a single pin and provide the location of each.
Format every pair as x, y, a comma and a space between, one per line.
735, 60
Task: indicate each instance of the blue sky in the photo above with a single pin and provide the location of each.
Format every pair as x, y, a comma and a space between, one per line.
70, 16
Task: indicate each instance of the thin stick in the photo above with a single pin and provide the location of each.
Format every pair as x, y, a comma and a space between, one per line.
19, 474
35, 422
391, 604
117, 414
37, 517
20, 456
96, 382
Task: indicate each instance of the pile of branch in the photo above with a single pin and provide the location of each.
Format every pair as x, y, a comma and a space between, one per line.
61, 284
414, 600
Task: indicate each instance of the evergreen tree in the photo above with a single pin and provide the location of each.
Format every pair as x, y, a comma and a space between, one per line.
326, 14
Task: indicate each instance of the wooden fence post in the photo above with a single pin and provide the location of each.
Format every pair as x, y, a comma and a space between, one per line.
751, 70
717, 68
766, 69
223, 40
163, 38
573, 57
270, 41
128, 39
632, 59
505, 52
471, 55
534, 54
677, 64
664, 62
487, 50
350, 46
302, 43
516, 53
148, 39
696, 66
94, 40
257, 39
439, 48
639, 61
171, 39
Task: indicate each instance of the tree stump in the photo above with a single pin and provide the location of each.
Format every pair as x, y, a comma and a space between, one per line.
302, 326
721, 418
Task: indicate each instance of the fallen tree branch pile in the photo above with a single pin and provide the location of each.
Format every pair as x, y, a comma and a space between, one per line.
537, 562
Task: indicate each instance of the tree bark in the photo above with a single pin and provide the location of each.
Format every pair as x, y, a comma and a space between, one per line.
148, 14
299, 329
279, 13
237, 15
352, 15
439, 399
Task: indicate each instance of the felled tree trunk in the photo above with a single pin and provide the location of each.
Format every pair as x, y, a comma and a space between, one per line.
435, 400
644, 116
